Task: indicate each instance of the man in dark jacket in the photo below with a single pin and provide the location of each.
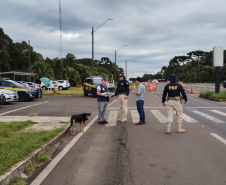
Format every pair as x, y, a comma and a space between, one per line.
174, 91
123, 92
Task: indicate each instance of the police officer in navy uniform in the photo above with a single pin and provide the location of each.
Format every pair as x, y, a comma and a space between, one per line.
122, 92
174, 91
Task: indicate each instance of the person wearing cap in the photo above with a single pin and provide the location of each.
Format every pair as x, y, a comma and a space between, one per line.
102, 99
139, 92
174, 91
122, 91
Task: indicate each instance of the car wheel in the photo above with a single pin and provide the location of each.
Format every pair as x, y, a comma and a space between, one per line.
44, 88
3, 100
60, 88
23, 96
94, 93
39, 93
85, 93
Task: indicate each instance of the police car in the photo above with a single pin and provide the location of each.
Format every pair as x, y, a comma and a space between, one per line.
90, 85
24, 93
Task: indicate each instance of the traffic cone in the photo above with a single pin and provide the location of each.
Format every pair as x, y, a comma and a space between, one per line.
191, 91
145, 84
151, 88
48, 90
188, 90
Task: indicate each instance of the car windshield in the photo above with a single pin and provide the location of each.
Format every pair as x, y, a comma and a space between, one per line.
16, 84
97, 81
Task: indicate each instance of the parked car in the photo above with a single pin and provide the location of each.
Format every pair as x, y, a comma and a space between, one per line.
35, 86
51, 85
90, 84
24, 93
224, 84
8, 96
63, 84
23, 83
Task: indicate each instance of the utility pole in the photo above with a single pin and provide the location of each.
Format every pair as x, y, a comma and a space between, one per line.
29, 58
60, 19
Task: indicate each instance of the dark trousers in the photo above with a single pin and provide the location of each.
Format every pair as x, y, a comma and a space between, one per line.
140, 109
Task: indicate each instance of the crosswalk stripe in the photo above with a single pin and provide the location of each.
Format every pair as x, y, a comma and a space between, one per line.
135, 116
208, 116
188, 118
159, 116
218, 112
219, 138
112, 119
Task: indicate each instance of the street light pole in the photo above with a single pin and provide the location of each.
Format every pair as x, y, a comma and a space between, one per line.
115, 59
93, 43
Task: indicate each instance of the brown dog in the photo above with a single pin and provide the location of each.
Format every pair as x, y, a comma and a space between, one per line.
80, 118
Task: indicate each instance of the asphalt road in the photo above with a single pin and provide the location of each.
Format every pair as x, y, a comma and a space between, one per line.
124, 153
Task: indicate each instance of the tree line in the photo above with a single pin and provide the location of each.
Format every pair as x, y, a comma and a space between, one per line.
16, 57
195, 67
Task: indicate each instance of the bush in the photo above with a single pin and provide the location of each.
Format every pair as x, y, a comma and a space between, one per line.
221, 96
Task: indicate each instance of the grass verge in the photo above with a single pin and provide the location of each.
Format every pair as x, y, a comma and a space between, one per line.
221, 96
70, 91
16, 144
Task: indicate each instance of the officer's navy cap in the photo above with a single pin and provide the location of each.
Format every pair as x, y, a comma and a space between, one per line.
104, 79
120, 75
173, 77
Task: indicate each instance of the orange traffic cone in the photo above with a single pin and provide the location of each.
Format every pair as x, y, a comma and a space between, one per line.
188, 90
191, 91
48, 90
151, 87
145, 84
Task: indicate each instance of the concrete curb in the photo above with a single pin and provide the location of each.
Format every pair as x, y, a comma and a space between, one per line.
20, 167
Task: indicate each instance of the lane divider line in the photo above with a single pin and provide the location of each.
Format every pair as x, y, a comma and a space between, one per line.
219, 138
22, 108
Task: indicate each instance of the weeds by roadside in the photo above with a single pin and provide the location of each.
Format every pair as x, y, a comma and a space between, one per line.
221, 96
71, 91
16, 145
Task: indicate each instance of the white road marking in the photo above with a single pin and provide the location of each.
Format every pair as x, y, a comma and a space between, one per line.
219, 112
22, 108
135, 116
208, 116
205, 107
219, 138
112, 119
188, 118
159, 116
115, 108
57, 159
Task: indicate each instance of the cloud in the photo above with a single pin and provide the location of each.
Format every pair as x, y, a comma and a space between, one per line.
155, 31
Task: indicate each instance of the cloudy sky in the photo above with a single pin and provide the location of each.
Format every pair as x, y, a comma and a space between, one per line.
154, 30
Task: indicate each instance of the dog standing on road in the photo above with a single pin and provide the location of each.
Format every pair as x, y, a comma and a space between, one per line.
80, 118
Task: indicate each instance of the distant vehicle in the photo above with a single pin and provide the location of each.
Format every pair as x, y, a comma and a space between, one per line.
8, 96
51, 85
162, 80
63, 84
35, 86
224, 84
153, 80
90, 85
23, 83
24, 93
32, 84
